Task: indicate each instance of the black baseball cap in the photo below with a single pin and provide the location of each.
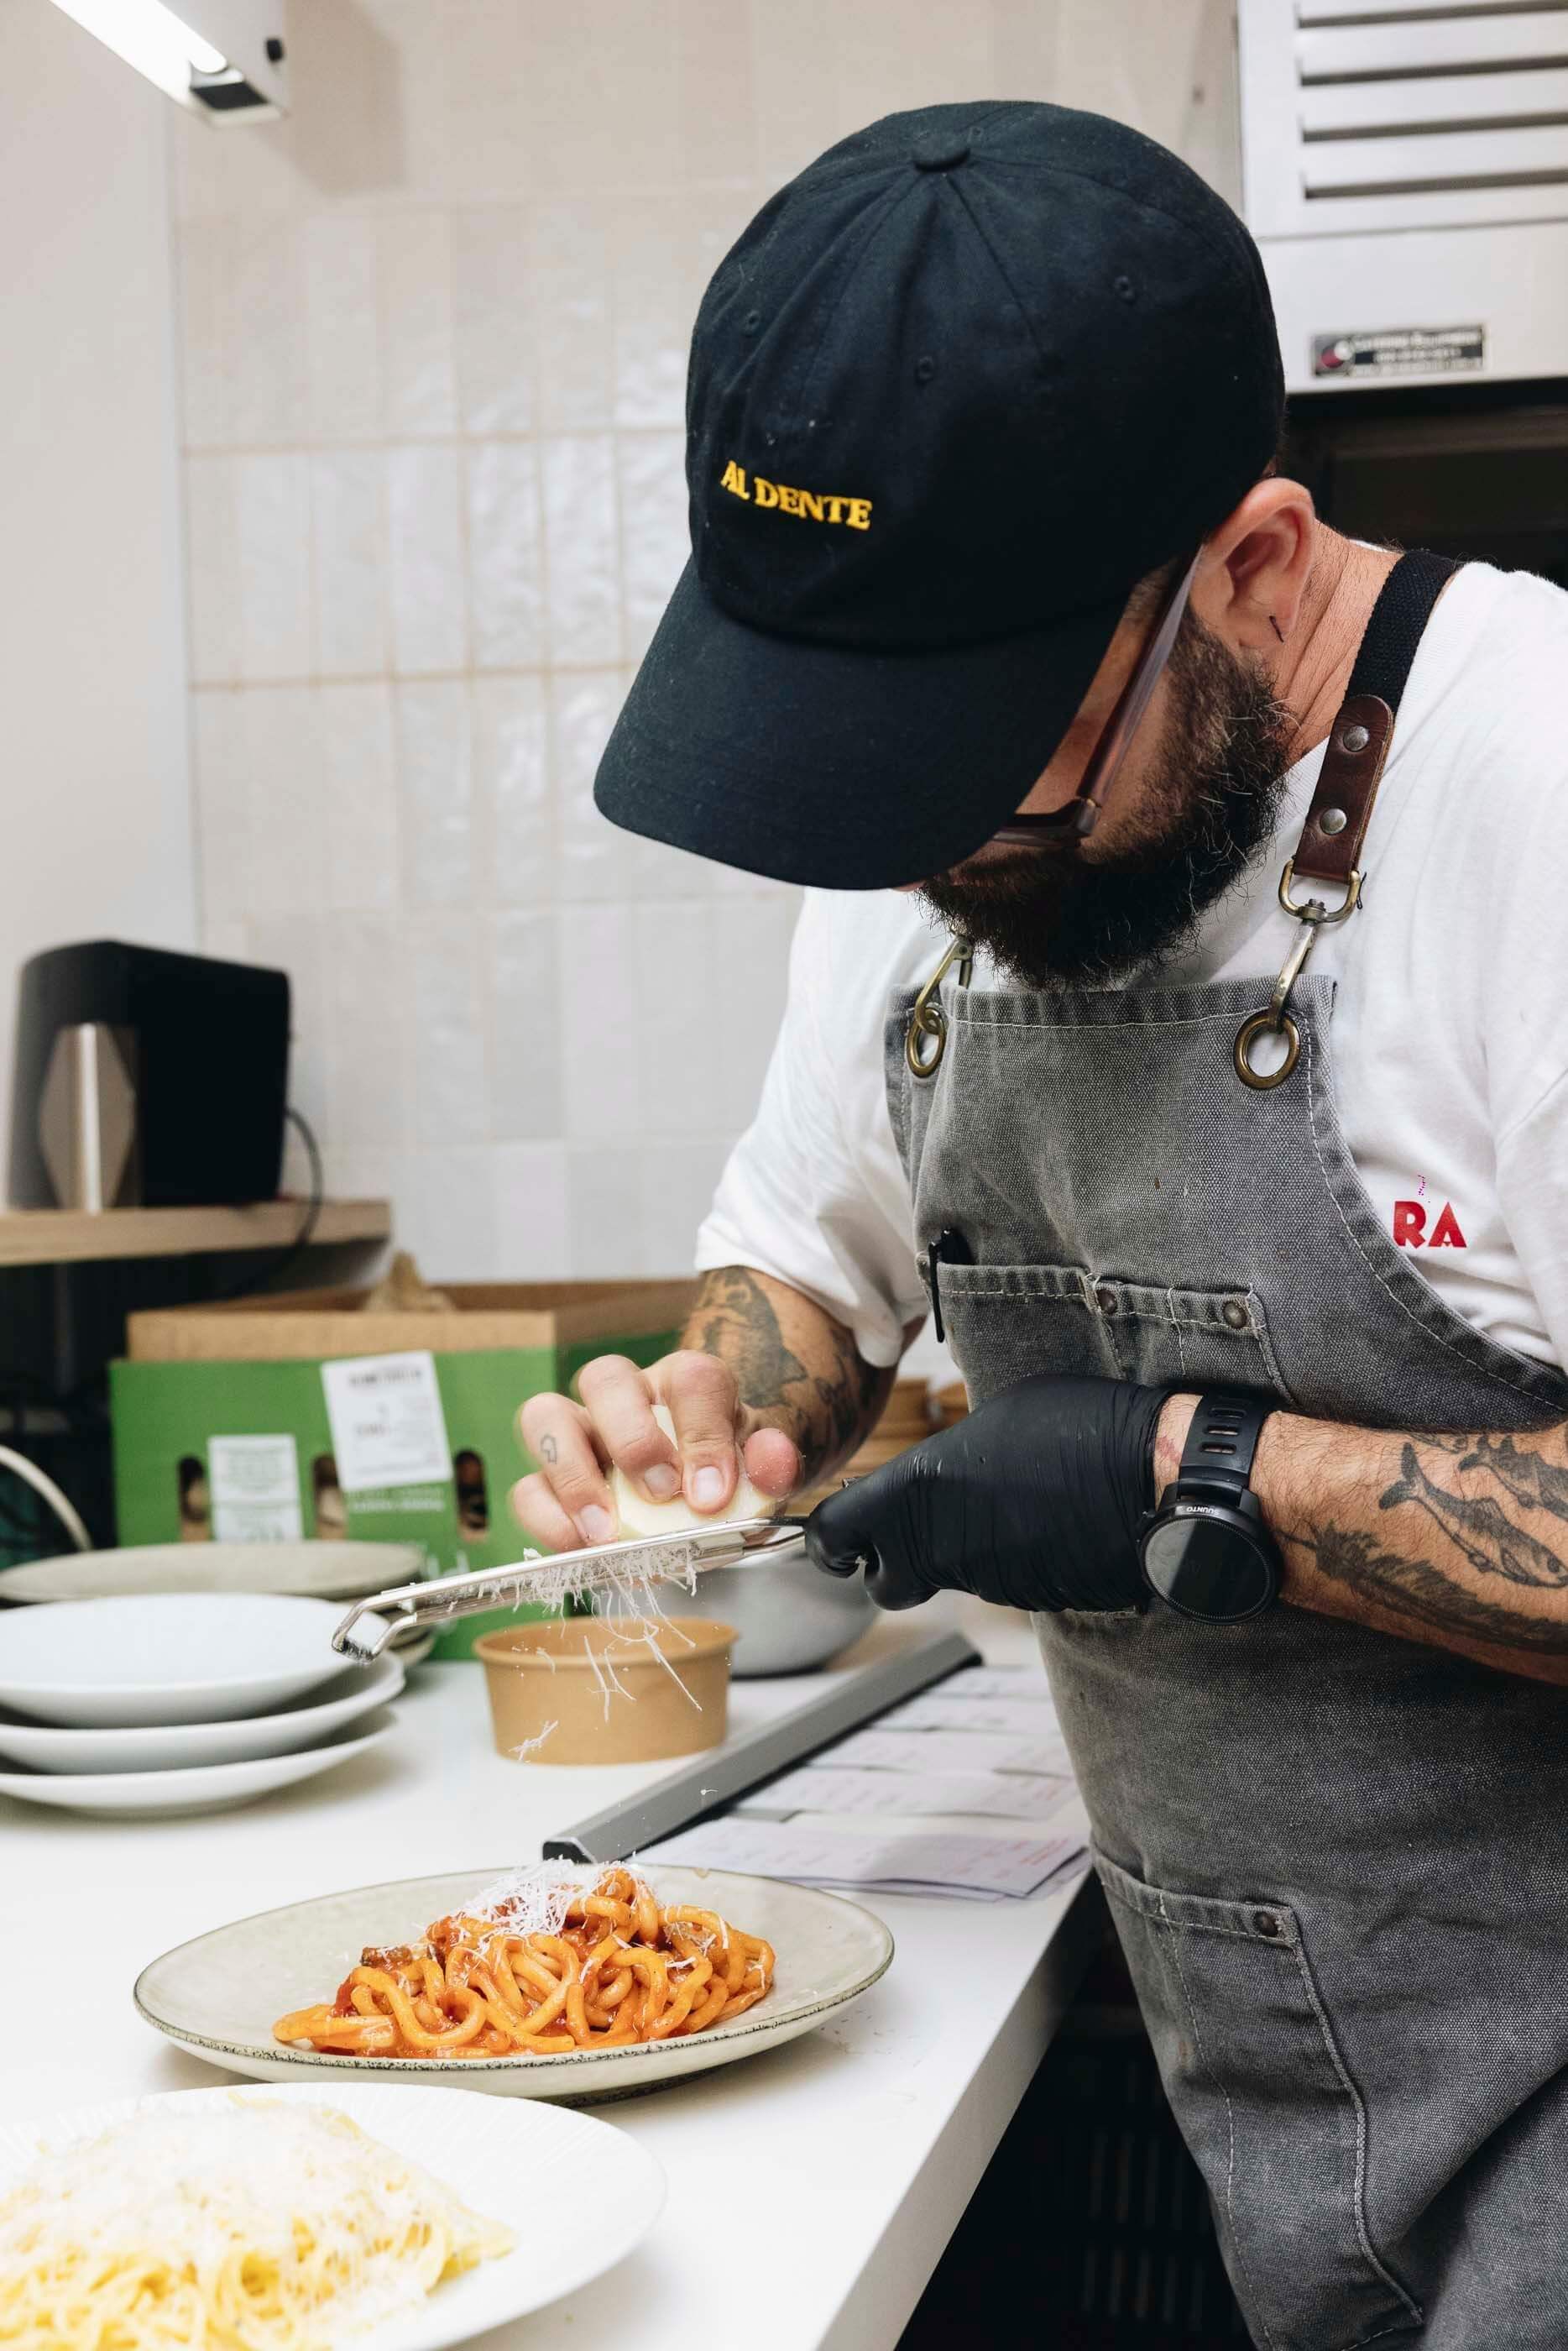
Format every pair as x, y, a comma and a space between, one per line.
957, 388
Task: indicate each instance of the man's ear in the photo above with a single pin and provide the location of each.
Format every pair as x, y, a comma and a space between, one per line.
1250, 587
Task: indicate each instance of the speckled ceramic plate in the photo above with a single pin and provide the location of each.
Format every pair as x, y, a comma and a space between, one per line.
220, 1995
320, 1571
576, 2195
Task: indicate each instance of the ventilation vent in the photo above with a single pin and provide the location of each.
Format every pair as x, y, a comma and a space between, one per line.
1360, 115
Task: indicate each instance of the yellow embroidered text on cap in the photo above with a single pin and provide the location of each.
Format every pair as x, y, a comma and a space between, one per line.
812, 505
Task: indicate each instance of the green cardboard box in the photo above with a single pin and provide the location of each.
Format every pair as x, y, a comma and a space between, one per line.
223, 1423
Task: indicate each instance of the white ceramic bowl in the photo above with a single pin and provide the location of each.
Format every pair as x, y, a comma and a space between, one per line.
167, 1657
791, 1617
182, 1746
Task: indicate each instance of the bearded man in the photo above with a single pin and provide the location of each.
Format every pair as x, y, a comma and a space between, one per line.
1225, 1133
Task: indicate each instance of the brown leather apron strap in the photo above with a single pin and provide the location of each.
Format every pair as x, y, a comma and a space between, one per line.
1330, 846
1329, 849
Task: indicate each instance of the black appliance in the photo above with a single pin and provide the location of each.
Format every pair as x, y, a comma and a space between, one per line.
1469, 470
143, 1078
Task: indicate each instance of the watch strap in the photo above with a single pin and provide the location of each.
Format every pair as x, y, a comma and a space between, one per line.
1222, 1444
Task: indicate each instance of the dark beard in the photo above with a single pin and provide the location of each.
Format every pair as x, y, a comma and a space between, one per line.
1212, 799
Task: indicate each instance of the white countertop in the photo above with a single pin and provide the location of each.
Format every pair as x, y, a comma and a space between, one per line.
811, 2189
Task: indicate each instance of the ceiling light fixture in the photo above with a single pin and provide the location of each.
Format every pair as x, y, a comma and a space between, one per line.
150, 37
245, 81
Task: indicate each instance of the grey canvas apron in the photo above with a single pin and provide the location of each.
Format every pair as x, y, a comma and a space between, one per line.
1335, 1860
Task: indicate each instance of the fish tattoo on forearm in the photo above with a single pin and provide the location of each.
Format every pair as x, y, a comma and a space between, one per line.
1508, 1480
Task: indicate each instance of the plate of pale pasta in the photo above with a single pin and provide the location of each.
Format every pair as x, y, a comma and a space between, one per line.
308, 2218
551, 1981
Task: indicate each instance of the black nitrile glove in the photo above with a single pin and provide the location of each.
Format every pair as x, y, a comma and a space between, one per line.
1034, 1501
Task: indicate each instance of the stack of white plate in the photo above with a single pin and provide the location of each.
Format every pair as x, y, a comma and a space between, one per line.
155, 1703
306, 1571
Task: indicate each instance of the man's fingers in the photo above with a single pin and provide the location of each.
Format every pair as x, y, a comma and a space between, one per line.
703, 1403
617, 1396
560, 1435
772, 1462
540, 1515
614, 1427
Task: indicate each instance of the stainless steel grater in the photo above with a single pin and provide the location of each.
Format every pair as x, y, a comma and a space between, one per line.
689, 1550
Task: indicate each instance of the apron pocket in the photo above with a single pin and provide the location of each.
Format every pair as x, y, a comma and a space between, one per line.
1265, 2103
1007, 1323
1190, 1338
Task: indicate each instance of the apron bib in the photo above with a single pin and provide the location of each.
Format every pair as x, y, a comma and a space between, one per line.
1335, 1860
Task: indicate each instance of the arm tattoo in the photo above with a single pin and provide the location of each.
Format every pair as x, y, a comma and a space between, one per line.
1476, 1524
847, 1403
827, 1410
1441, 1584
740, 1324
1533, 1481
1418, 1589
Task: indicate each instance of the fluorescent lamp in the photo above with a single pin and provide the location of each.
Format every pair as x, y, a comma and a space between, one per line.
150, 37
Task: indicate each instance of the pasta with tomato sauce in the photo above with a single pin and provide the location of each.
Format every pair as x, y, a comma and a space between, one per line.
535, 1967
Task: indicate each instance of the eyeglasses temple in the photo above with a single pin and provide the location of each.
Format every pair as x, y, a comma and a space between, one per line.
1078, 819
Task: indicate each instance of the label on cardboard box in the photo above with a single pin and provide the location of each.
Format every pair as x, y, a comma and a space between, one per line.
254, 1482
388, 1427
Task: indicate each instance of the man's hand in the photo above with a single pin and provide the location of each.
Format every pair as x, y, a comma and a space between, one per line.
567, 1502
1034, 1501
764, 1375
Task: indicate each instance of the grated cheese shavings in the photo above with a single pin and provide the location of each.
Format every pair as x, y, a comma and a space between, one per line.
240, 2221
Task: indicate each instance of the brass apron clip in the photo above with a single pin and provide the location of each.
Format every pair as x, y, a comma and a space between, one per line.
1275, 1020
1329, 850
925, 1038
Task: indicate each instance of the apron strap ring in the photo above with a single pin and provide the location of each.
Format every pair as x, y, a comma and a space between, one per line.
1274, 1020
1259, 1024
928, 1020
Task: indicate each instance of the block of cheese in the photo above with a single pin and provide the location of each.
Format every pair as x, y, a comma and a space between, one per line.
635, 1515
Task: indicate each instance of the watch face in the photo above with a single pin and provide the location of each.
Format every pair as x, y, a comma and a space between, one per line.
1208, 1564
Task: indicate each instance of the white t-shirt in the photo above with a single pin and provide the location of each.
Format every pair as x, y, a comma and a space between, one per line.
1449, 1036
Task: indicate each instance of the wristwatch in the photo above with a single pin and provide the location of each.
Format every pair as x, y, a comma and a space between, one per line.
1206, 1551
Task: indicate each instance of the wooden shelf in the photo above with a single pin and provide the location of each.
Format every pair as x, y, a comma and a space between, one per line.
71, 1236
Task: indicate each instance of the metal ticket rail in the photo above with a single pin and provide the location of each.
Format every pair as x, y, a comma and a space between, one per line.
712, 1781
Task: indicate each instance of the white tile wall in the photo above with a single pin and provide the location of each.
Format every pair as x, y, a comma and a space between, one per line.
434, 351
340, 327
505, 557
360, 831
429, 590
349, 537
272, 538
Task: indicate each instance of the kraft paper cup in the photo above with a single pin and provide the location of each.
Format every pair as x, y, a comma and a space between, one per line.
548, 1705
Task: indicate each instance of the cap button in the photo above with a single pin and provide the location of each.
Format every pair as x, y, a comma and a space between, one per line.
938, 150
